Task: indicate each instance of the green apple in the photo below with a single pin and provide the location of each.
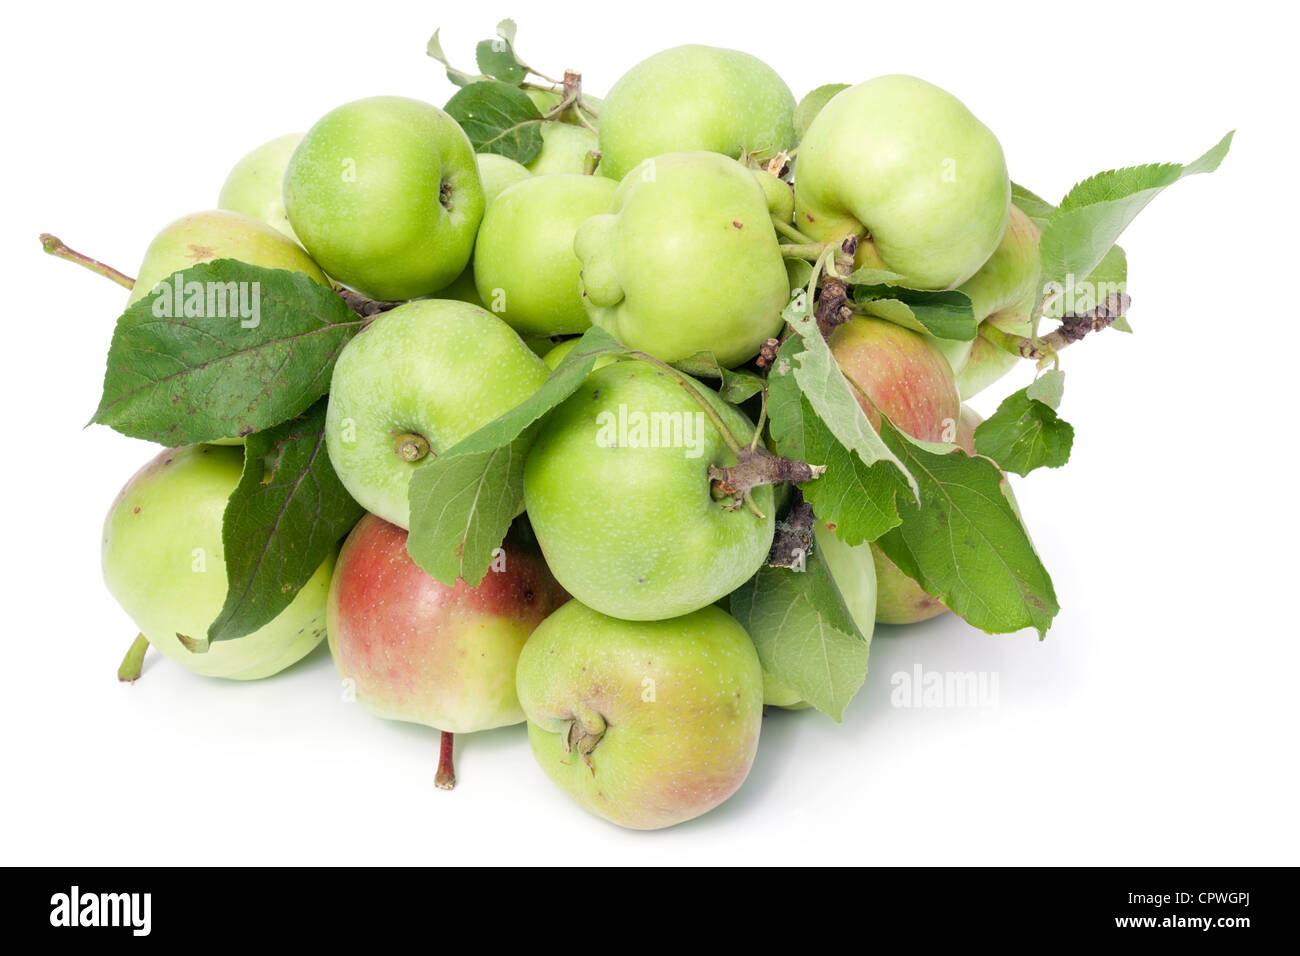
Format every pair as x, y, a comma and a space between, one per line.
685, 261
415, 649
525, 269
1009, 279
418, 380
647, 723
906, 167
618, 492
255, 185
164, 562
385, 194
565, 149
986, 364
694, 98
219, 234
853, 570
497, 174
779, 195
548, 100
903, 374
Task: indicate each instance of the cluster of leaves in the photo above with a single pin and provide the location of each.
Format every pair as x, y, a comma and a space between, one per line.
943, 516
492, 107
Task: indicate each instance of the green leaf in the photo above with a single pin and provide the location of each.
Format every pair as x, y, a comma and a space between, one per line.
1035, 207
828, 392
183, 379
857, 498
434, 49
803, 633
498, 118
812, 104
965, 544
1110, 276
735, 385
945, 315
284, 518
462, 502
496, 58
1025, 432
1096, 211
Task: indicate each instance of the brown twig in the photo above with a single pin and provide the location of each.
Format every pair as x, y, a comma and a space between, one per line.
1073, 327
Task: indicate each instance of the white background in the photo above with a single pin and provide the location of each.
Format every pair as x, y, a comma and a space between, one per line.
1157, 722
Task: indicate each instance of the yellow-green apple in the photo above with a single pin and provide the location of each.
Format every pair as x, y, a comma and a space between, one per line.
496, 175
385, 194
255, 186
525, 269
1008, 280
219, 234
415, 649
617, 488
556, 355
647, 723
986, 364
685, 261
565, 149
164, 562
694, 97
419, 379
908, 168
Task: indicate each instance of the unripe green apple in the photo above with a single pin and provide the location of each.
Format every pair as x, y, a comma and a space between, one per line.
385, 194
906, 166
903, 374
648, 723
779, 195
415, 649
547, 100
497, 174
618, 492
1009, 279
693, 98
164, 562
419, 379
853, 570
686, 261
219, 234
255, 186
565, 149
525, 269
985, 364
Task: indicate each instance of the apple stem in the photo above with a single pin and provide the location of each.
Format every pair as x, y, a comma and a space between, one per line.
411, 447
811, 251
793, 234
445, 779
133, 662
58, 248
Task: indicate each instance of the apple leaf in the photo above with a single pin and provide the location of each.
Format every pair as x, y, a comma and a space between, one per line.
812, 104
735, 385
498, 118
286, 515
457, 77
965, 543
804, 634
858, 499
828, 392
1096, 211
496, 58
462, 502
1035, 207
945, 315
186, 368
1025, 432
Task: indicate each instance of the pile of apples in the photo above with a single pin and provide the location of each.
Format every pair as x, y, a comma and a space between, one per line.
670, 225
